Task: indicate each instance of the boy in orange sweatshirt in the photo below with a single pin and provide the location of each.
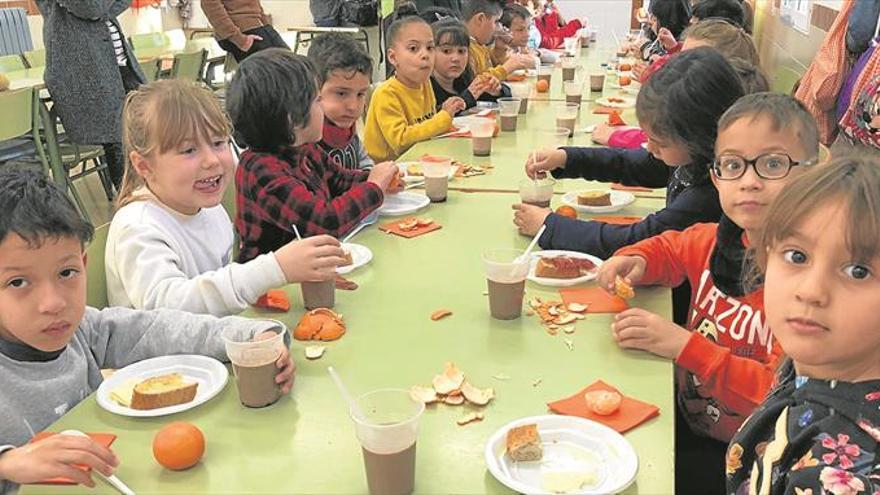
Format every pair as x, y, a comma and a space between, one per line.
725, 360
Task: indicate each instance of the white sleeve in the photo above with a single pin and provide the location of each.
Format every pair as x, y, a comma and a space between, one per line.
150, 273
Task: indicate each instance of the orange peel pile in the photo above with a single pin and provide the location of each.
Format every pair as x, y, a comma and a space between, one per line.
450, 387
555, 315
414, 224
319, 324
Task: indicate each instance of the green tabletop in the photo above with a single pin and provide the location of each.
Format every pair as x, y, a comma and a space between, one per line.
215, 53
27, 78
306, 443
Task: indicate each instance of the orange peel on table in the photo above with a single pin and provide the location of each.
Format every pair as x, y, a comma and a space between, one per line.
440, 314
477, 396
319, 324
451, 388
555, 314
449, 381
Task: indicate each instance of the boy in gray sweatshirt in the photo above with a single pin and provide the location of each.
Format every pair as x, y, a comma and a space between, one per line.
52, 347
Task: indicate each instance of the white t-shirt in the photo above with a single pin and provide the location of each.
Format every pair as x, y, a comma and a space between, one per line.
159, 258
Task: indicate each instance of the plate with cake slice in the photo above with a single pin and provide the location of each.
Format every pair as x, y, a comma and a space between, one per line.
163, 385
598, 200
563, 268
356, 256
561, 454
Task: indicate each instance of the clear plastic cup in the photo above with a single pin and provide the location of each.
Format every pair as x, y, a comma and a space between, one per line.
482, 131
508, 110
506, 273
436, 172
388, 434
253, 363
569, 68
553, 138
571, 45
318, 294
545, 73
522, 91
597, 81
537, 192
573, 91
566, 116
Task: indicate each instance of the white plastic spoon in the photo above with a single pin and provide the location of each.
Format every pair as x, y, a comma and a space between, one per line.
112, 479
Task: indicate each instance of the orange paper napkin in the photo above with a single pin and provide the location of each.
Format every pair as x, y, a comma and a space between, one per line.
105, 439
632, 412
614, 119
621, 187
600, 110
618, 220
394, 228
598, 300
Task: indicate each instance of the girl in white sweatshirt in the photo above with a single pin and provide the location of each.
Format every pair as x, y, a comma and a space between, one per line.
170, 242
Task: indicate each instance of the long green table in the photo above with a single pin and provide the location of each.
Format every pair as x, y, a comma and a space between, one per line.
305, 443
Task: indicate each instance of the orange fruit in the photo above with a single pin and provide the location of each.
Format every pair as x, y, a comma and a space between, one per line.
625, 81
567, 211
624, 67
603, 402
542, 86
178, 445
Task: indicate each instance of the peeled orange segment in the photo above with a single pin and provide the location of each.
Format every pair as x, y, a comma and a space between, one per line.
451, 380
603, 402
454, 400
623, 289
423, 394
477, 396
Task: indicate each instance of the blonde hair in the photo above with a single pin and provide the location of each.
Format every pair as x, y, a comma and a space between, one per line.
731, 41
161, 115
853, 181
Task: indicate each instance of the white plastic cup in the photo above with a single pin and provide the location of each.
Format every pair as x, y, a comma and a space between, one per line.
253, 363
521, 91
482, 131
506, 271
566, 116
537, 192
436, 173
508, 110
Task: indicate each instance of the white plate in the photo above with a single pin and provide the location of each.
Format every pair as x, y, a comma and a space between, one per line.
210, 373
403, 203
562, 282
627, 102
619, 199
409, 179
462, 123
360, 256
571, 444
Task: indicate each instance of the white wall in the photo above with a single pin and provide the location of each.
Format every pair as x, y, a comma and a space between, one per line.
604, 15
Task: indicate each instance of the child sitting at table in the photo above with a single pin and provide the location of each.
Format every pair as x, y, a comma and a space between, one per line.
679, 110
170, 242
283, 178
480, 17
53, 347
818, 431
345, 70
518, 22
452, 75
553, 28
725, 358
403, 109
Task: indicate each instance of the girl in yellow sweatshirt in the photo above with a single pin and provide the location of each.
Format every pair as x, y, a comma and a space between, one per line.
402, 109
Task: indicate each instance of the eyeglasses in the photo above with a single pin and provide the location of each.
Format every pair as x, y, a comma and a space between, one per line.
769, 166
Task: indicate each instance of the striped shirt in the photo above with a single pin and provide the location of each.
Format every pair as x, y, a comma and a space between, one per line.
118, 48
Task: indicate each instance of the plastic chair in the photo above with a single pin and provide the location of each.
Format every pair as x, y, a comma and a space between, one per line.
96, 276
189, 66
152, 69
9, 63
149, 40
19, 136
35, 58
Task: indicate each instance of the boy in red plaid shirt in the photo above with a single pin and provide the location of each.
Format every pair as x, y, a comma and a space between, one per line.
283, 178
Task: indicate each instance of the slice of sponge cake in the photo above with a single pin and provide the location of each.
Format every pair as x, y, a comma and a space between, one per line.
524, 443
163, 391
594, 198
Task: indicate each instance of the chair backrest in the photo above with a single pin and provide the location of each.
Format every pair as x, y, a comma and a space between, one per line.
96, 277
18, 113
15, 33
189, 65
35, 58
9, 63
152, 69
149, 40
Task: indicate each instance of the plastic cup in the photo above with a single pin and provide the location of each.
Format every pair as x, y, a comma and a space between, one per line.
569, 68
482, 131
506, 277
571, 45
318, 294
537, 192
253, 364
566, 116
388, 435
545, 73
508, 110
597, 81
553, 138
521, 91
436, 173
573, 91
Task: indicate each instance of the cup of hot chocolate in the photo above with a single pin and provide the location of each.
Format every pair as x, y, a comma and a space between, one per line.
521, 91
253, 363
537, 192
573, 91
482, 131
597, 81
436, 170
566, 116
569, 68
506, 271
318, 294
508, 111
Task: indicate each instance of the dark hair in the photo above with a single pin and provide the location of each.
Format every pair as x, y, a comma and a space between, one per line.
270, 94
473, 7
781, 110
34, 208
514, 10
337, 51
437, 14
450, 32
684, 100
752, 78
674, 15
405, 15
729, 10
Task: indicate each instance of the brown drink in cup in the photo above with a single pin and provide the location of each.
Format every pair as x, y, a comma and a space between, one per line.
319, 294
508, 111
436, 172
506, 272
566, 116
597, 82
481, 136
253, 363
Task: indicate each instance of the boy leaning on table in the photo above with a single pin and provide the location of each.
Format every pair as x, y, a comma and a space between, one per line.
52, 347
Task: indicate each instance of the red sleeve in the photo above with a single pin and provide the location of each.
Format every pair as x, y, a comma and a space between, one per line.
738, 382
630, 139
339, 179
671, 254
654, 67
676, 48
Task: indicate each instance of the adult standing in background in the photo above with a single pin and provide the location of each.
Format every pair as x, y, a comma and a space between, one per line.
326, 13
241, 27
89, 69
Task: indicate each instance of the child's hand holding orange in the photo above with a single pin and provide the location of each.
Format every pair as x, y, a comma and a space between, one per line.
384, 175
284, 363
630, 268
453, 105
54, 457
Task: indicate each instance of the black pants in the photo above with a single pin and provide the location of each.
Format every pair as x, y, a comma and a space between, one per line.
271, 39
699, 461
113, 152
